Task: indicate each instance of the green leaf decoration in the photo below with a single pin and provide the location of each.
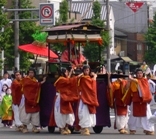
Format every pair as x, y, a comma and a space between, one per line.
40, 36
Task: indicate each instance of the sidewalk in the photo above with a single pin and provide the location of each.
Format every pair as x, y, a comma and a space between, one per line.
112, 114
153, 106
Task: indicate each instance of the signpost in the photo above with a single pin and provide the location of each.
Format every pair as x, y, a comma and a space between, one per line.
46, 13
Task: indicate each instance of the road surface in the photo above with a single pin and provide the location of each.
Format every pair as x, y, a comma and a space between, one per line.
107, 133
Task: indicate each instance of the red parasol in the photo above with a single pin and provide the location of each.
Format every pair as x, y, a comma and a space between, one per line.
38, 50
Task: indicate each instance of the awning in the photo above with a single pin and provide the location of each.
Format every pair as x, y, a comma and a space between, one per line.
113, 57
119, 33
126, 59
134, 63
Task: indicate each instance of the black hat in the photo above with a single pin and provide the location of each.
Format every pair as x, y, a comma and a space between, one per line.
5, 72
138, 69
63, 69
85, 67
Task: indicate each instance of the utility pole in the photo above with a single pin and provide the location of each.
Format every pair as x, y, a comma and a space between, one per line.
2, 51
108, 28
16, 37
2, 57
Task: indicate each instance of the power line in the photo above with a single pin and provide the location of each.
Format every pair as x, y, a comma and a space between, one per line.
129, 40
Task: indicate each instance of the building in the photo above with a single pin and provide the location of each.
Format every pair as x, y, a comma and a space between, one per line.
85, 9
36, 2
120, 45
134, 25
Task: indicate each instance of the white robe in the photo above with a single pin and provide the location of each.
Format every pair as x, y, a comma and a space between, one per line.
62, 119
16, 115
152, 90
140, 122
85, 118
122, 120
27, 118
17, 111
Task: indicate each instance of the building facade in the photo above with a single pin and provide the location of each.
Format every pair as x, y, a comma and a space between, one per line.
134, 24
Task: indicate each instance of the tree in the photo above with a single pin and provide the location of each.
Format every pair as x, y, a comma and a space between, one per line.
96, 19
63, 12
91, 50
5, 29
63, 18
150, 37
27, 28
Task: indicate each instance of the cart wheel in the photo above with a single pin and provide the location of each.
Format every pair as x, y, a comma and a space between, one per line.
51, 129
71, 128
98, 129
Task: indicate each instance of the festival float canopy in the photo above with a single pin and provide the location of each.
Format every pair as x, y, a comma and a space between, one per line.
75, 32
38, 47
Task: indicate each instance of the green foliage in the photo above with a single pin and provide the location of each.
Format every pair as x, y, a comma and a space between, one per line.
63, 12
27, 28
40, 36
96, 19
62, 19
91, 50
58, 47
4, 23
4, 34
150, 37
106, 39
24, 60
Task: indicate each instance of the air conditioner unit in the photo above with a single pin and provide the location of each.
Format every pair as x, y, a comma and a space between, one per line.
122, 53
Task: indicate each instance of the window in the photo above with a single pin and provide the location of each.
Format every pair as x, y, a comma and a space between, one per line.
139, 46
147, 48
117, 43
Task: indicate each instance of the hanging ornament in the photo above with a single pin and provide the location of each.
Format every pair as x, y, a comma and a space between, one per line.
40, 38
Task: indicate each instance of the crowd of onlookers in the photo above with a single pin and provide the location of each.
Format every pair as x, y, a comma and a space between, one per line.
6, 100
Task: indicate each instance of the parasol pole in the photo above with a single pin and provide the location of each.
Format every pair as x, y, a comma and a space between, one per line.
79, 49
99, 53
35, 59
48, 56
35, 62
69, 50
48, 51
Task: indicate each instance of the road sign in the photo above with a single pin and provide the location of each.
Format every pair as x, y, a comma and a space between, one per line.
134, 6
46, 13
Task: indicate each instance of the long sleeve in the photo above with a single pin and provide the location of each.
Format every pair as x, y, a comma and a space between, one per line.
0, 87
152, 86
